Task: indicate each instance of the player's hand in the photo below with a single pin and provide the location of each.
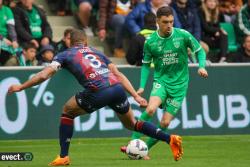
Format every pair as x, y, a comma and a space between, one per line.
14, 88
203, 72
143, 102
140, 91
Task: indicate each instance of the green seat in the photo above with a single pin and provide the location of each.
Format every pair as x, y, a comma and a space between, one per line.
232, 44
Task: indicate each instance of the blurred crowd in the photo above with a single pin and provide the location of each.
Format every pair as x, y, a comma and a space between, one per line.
221, 26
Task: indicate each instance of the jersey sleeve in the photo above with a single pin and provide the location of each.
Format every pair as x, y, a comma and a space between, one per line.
58, 61
192, 43
195, 46
10, 17
147, 56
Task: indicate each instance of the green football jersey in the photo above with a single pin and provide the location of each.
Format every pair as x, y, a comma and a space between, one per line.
7, 17
170, 56
35, 23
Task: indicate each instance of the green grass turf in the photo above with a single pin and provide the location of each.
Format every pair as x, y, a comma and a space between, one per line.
199, 151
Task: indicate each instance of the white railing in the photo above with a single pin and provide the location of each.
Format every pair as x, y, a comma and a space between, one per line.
129, 66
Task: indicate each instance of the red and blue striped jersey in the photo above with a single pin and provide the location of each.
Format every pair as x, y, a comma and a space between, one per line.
89, 66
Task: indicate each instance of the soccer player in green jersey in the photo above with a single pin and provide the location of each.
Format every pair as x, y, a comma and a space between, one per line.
167, 50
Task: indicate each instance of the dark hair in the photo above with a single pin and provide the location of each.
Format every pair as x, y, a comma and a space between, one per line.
150, 21
29, 45
164, 11
67, 31
245, 37
77, 37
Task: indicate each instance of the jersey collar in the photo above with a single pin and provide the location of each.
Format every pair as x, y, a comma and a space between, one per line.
165, 37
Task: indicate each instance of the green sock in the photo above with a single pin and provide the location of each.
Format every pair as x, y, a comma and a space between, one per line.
144, 117
151, 141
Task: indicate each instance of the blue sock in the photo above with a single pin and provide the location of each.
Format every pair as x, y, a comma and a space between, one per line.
65, 134
152, 131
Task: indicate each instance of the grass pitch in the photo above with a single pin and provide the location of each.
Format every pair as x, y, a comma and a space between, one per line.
199, 151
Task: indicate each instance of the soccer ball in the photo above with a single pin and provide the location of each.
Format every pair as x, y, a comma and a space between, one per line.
137, 149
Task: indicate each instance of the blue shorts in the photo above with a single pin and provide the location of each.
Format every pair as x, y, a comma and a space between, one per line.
92, 2
115, 97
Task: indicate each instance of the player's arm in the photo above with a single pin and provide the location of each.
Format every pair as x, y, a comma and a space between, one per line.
127, 85
195, 46
41, 76
145, 69
201, 55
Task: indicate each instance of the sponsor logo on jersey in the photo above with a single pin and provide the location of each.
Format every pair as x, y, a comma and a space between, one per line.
170, 58
85, 50
98, 72
157, 85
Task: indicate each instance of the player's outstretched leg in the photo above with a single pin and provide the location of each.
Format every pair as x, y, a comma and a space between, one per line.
152, 141
150, 130
137, 135
144, 117
174, 141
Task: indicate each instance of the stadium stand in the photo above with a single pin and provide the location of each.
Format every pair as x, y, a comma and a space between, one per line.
59, 24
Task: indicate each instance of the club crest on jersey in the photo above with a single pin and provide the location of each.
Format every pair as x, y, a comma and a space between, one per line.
176, 44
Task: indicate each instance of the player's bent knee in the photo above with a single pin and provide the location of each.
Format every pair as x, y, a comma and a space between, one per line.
165, 124
68, 111
65, 108
151, 111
